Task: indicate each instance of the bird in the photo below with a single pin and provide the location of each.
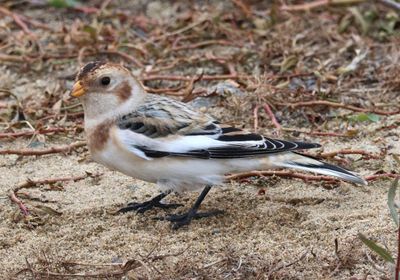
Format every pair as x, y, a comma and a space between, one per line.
169, 143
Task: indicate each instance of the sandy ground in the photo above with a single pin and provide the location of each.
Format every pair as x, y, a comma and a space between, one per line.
288, 233
272, 228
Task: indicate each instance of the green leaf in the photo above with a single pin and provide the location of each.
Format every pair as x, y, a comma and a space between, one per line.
362, 117
63, 3
362, 22
390, 23
390, 202
365, 117
373, 117
91, 30
376, 248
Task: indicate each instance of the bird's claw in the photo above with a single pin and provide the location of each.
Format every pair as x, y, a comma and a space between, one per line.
147, 205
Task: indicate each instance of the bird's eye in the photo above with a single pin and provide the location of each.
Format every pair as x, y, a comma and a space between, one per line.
105, 81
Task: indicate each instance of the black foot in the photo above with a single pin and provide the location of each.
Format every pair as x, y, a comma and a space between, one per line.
180, 220
147, 205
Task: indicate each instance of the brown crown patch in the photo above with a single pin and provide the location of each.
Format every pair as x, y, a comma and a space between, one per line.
124, 91
88, 68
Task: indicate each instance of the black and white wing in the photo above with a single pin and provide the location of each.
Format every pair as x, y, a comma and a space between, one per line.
165, 128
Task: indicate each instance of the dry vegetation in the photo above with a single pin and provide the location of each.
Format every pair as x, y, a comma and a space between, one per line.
322, 71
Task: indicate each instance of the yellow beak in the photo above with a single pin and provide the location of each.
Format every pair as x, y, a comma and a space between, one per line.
78, 89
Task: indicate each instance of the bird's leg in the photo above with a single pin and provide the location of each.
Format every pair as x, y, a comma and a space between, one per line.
180, 220
147, 205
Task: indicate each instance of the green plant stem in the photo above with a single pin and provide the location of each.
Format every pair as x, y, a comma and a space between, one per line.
398, 255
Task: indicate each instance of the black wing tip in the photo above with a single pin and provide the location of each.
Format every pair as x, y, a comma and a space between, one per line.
306, 145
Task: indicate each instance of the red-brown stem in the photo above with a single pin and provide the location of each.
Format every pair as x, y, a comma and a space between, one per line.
306, 6
383, 175
69, 115
188, 79
36, 152
245, 9
348, 152
32, 132
202, 44
281, 173
337, 105
164, 90
22, 24
268, 110
255, 116
18, 20
25, 19
31, 183
21, 205
320, 3
188, 92
125, 56
317, 4
317, 133
291, 174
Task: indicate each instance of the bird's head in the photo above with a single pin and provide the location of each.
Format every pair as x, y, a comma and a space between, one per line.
106, 88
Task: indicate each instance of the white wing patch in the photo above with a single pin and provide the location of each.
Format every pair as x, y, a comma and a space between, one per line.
176, 144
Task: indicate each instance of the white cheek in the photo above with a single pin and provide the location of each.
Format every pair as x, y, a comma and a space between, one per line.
115, 82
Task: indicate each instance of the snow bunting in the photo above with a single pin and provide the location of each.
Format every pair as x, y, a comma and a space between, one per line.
164, 141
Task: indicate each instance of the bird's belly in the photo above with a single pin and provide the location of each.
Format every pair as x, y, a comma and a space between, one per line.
177, 173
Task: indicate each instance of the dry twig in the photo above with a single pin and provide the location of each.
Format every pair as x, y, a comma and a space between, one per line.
33, 183
188, 94
106, 271
382, 175
125, 56
28, 183
13, 197
18, 20
179, 31
282, 266
280, 173
244, 7
36, 152
337, 105
317, 133
15, 58
255, 117
203, 44
317, 4
188, 79
33, 132
272, 116
304, 177
168, 91
348, 152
